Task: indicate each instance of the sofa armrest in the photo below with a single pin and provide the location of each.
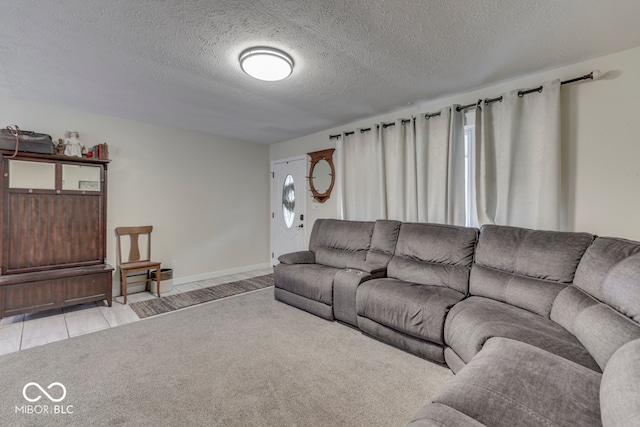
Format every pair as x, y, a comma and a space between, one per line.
377, 270
302, 257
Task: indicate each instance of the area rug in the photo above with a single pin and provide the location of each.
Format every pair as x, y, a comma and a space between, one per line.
169, 303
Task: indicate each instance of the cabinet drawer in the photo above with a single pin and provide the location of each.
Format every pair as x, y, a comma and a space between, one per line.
33, 296
90, 288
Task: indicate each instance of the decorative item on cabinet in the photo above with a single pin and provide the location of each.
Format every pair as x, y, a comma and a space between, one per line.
14, 139
100, 151
46, 260
60, 147
73, 146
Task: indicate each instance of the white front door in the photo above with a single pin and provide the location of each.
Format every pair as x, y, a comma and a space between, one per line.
288, 207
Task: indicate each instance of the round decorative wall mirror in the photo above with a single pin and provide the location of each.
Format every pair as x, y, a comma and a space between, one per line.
322, 174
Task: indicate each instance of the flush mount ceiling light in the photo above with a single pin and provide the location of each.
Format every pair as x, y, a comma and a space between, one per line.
265, 63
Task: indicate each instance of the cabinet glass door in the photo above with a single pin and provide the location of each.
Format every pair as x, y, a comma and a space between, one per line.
86, 178
32, 175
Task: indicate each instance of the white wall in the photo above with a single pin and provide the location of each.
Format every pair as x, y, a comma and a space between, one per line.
601, 149
206, 196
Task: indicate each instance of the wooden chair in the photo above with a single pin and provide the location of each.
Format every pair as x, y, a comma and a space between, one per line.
134, 263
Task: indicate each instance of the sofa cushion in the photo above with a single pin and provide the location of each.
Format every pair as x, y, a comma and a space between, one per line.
383, 242
408, 343
411, 308
534, 295
473, 321
602, 330
339, 243
525, 268
568, 304
609, 272
620, 388
603, 307
511, 383
339, 258
438, 415
311, 281
435, 255
383, 245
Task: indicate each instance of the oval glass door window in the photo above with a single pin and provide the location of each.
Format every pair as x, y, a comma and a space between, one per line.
288, 201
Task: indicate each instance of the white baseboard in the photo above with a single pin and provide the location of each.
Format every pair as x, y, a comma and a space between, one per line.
133, 287
219, 273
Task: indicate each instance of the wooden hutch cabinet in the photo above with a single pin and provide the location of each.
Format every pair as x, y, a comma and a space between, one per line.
53, 232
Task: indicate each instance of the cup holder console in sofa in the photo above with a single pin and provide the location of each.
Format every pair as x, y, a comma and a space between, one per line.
540, 327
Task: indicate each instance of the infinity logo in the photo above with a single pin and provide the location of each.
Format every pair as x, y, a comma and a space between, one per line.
64, 392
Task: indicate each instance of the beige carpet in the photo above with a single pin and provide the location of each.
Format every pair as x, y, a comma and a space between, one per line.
240, 361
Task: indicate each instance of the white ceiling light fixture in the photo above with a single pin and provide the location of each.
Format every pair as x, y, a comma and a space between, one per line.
266, 63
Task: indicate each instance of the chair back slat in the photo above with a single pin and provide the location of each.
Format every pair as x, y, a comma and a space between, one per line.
134, 251
134, 245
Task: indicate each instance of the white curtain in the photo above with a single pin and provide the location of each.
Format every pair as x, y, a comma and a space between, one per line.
411, 170
518, 159
379, 169
440, 160
363, 175
398, 148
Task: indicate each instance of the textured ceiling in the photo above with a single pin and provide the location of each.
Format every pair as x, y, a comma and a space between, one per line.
175, 62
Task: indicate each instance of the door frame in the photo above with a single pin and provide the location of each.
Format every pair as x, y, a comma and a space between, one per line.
273, 208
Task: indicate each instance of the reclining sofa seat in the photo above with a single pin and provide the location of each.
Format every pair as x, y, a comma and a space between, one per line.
427, 275
342, 254
509, 382
515, 279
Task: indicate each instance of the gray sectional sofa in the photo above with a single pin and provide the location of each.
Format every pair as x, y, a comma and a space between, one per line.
540, 327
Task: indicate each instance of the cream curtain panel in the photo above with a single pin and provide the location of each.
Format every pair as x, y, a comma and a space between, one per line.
518, 159
399, 151
440, 167
410, 171
362, 165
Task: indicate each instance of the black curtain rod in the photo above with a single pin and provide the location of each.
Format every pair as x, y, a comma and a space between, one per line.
361, 131
527, 91
486, 101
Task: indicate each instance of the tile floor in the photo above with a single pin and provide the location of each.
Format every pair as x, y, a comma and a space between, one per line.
33, 329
